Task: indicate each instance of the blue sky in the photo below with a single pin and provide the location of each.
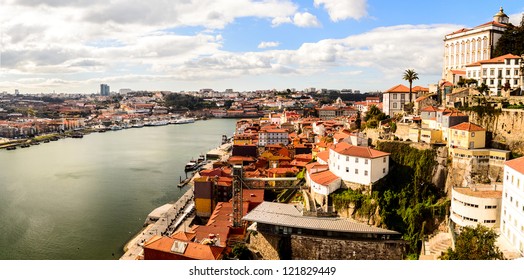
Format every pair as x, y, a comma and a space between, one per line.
73, 46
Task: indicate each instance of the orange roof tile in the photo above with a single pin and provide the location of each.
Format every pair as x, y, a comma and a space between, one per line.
429, 109
324, 156
324, 178
398, 89
358, 151
467, 126
516, 164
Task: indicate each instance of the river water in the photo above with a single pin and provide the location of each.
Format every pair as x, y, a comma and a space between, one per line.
83, 199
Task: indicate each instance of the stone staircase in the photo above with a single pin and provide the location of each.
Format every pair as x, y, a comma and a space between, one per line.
436, 244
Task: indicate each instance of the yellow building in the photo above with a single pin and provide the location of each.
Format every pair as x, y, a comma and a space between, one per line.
430, 136
467, 136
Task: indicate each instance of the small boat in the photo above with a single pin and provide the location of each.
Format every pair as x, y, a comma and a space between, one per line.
11, 148
191, 165
77, 135
184, 120
25, 145
46, 140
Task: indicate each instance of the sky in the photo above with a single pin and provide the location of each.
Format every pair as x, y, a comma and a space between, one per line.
73, 46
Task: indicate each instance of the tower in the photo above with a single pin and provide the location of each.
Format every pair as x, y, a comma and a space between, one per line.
104, 90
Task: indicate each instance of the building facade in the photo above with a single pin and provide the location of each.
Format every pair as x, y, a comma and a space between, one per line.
512, 214
469, 45
470, 206
361, 165
497, 73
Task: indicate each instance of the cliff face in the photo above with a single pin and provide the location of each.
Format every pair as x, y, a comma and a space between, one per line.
505, 128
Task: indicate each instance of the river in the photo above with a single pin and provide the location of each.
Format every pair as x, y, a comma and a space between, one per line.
83, 199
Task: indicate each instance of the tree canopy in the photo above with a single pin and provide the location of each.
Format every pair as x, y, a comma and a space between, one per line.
511, 41
475, 243
410, 75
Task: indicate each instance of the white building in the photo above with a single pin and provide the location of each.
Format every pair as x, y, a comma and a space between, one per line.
394, 99
470, 207
496, 72
273, 136
512, 214
469, 45
355, 164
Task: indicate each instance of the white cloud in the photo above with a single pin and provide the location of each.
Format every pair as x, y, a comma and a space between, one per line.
306, 20
515, 19
280, 20
344, 9
264, 45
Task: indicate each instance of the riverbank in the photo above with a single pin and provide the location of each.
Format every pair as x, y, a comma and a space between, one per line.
171, 217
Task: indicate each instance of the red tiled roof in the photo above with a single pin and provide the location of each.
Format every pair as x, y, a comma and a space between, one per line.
357, 151
324, 156
398, 89
467, 126
429, 109
419, 88
496, 60
324, 178
194, 251
492, 23
516, 164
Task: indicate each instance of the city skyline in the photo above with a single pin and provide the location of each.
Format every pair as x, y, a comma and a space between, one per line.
73, 47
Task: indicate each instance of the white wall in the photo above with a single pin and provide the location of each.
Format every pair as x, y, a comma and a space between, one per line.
512, 213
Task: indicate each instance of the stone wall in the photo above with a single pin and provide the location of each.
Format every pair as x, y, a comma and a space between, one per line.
506, 128
266, 245
469, 171
315, 248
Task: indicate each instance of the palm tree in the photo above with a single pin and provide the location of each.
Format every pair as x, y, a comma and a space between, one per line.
410, 75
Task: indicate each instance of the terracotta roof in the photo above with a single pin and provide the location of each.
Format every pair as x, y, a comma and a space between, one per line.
419, 88
467, 126
493, 23
358, 151
398, 89
195, 251
496, 60
460, 31
429, 109
458, 72
516, 164
324, 156
324, 178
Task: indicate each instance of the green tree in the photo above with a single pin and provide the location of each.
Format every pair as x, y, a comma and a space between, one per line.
410, 75
511, 40
241, 252
475, 244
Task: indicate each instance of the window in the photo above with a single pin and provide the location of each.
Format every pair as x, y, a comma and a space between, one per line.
508, 72
484, 72
491, 72
356, 171
384, 172
347, 169
366, 161
347, 158
356, 160
472, 134
384, 160
516, 72
491, 82
516, 81
490, 207
394, 96
394, 105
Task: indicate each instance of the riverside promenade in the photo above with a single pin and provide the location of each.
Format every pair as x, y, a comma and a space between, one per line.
178, 216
